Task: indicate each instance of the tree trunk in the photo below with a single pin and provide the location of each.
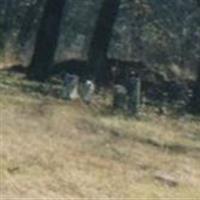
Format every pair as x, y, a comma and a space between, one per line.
6, 32
194, 104
196, 98
97, 54
28, 21
46, 40
195, 101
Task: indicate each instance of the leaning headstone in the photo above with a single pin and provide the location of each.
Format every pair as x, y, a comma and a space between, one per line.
134, 94
119, 97
87, 91
70, 91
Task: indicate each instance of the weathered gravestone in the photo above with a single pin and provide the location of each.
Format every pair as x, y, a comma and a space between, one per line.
70, 91
87, 91
119, 97
134, 93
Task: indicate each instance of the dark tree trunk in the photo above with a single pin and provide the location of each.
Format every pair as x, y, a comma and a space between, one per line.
194, 104
6, 26
46, 40
7, 19
195, 100
97, 54
27, 24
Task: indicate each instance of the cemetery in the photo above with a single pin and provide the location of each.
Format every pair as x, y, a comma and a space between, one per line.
99, 99
61, 147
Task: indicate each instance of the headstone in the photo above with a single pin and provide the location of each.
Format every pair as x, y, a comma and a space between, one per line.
134, 93
87, 93
119, 97
70, 91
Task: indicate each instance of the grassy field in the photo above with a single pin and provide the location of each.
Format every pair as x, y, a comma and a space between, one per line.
57, 150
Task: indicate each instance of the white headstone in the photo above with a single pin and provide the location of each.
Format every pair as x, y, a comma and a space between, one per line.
88, 90
71, 87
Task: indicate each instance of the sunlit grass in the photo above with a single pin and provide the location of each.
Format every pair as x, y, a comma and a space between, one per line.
53, 149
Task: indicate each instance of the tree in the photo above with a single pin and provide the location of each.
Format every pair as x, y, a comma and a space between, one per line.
97, 54
6, 22
195, 101
28, 20
46, 40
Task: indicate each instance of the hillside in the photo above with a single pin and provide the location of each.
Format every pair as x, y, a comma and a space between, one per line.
53, 149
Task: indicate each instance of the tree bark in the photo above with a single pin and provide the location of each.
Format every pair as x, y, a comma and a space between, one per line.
46, 40
28, 21
97, 54
194, 104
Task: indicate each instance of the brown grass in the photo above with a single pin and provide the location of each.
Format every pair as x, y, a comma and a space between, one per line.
51, 149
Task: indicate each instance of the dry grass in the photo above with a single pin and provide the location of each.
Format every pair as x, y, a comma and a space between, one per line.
50, 149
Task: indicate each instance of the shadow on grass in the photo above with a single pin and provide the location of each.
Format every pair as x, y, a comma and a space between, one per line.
119, 134
170, 147
15, 78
